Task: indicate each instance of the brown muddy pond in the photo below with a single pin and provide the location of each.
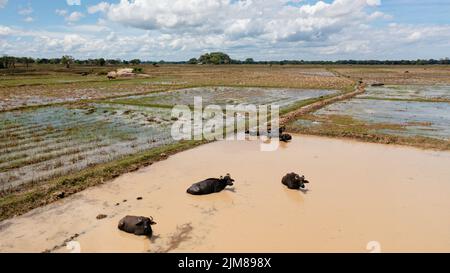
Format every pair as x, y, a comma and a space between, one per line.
360, 194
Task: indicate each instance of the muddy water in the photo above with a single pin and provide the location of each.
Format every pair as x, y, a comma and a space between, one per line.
359, 193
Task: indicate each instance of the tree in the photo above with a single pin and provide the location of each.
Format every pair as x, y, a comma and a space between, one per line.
8, 62
67, 60
42, 61
135, 62
101, 62
215, 58
26, 61
193, 61
249, 61
113, 62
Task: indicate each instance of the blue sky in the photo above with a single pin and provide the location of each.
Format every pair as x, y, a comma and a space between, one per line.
261, 29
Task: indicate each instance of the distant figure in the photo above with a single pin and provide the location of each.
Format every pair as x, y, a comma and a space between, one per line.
294, 181
137, 225
211, 185
284, 137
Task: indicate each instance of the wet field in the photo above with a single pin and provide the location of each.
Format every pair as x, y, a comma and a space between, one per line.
416, 118
227, 96
408, 111
48, 142
409, 92
359, 193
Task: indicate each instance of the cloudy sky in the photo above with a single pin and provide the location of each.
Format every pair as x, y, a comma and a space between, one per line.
262, 29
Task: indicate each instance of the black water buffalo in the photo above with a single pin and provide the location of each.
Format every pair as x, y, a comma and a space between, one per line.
282, 136
285, 137
211, 185
294, 181
137, 225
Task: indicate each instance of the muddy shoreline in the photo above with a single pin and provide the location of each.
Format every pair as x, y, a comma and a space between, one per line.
359, 193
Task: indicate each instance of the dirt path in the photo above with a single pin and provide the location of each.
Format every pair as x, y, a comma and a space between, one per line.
359, 193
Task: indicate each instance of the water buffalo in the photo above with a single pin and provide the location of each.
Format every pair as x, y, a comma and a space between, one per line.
294, 181
284, 137
210, 185
137, 225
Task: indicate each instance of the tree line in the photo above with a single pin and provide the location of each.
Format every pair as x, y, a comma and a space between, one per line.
216, 58
222, 58
10, 62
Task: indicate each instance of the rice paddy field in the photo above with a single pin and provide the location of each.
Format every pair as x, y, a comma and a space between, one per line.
418, 113
61, 131
40, 144
43, 85
433, 93
47, 142
226, 96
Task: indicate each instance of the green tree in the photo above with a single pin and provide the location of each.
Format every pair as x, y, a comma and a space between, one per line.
215, 58
204, 59
8, 62
135, 62
193, 61
67, 60
101, 62
113, 62
26, 61
249, 61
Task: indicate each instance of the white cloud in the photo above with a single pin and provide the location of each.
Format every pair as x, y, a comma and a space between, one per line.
270, 20
4, 30
262, 29
74, 16
3, 3
374, 2
26, 11
73, 2
61, 12
69, 17
101, 7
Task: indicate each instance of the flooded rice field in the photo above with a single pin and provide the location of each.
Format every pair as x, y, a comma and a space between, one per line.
48, 142
45, 143
417, 118
227, 95
352, 200
394, 110
36, 95
409, 92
